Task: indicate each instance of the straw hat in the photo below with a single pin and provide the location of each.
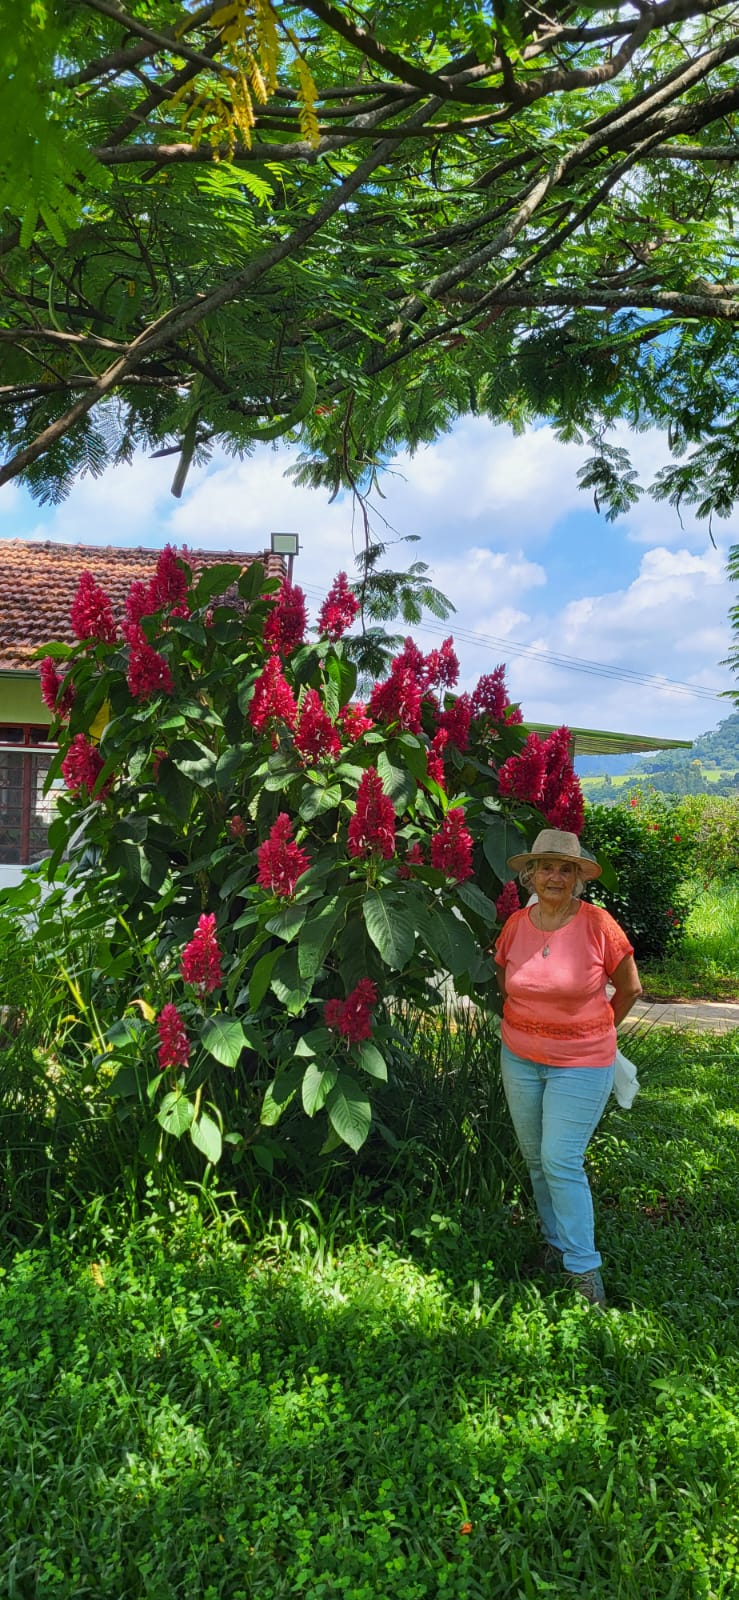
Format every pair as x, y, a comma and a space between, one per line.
556, 842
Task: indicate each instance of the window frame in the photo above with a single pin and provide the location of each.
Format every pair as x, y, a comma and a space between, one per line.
34, 741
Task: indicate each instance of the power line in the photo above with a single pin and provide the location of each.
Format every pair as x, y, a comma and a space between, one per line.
599, 669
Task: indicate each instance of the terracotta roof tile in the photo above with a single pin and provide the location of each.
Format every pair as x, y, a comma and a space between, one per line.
38, 582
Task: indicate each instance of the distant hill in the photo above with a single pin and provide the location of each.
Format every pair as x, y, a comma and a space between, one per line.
719, 747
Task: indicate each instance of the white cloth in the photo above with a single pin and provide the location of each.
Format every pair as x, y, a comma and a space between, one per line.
625, 1081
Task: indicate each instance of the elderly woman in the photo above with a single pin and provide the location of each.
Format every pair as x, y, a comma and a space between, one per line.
554, 959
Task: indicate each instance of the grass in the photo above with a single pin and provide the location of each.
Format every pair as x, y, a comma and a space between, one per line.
707, 966
371, 1399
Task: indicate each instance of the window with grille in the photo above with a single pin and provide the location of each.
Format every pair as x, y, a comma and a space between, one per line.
25, 811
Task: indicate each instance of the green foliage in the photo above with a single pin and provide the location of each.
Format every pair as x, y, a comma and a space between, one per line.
214, 232
650, 857
188, 789
705, 965
711, 825
369, 1397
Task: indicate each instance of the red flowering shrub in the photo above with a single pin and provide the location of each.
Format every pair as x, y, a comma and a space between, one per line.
281, 860
372, 828
198, 831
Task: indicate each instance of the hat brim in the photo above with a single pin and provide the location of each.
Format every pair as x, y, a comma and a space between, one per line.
587, 867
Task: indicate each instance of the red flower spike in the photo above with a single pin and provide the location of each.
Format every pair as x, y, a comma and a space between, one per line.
451, 847
91, 613
568, 811
351, 1017
174, 1045
354, 723
82, 766
168, 587
272, 698
56, 693
315, 734
442, 666
147, 672
507, 901
558, 767
281, 860
490, 696
398, 699
201, 958
435, 757
522, 776
338, 610
372, 828
285, 627
456, 721
237, 827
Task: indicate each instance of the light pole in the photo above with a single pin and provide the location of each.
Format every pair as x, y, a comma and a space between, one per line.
285, 544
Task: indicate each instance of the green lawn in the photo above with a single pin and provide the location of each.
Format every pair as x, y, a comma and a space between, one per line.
378, 1402
707, 965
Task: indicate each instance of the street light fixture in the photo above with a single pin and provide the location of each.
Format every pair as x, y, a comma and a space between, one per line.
285, 544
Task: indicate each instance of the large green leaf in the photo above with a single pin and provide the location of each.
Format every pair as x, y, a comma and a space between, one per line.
349, 1110
390, 928
372, 1062
279, 1093
223, 1037
287, 922
175, 1113
195, 761
317, 1085
262, 977
501, 839
316, 800
292, 990
474, 898
452, 941
317, 937
397, 781
215, 581
206, 1137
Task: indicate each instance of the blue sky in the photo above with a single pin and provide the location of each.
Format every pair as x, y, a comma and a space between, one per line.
507, 535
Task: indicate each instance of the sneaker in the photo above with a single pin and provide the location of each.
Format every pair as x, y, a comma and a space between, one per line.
589, 1285
550, 1261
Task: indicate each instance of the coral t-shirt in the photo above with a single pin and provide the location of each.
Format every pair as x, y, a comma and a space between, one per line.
556, 1010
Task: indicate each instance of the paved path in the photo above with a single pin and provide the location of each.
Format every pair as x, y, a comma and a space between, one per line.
707, 1016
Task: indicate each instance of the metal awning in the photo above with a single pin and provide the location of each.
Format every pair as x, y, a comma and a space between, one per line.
597, 742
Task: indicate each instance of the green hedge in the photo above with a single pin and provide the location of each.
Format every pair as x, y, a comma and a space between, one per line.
651, 858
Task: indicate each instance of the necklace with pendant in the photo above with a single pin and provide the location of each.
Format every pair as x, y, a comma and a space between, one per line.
547, 945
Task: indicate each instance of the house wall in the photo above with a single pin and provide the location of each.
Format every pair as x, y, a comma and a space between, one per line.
20, 699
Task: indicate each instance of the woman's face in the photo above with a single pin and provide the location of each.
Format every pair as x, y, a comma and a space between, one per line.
553, 879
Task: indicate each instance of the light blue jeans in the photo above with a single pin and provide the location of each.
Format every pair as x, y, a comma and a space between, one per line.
555, 1111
